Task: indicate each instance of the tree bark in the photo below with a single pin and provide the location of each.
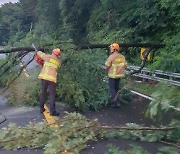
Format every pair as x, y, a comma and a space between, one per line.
20, 49
124, 45
88, 46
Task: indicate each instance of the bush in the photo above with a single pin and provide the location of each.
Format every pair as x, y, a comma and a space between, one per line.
7, 71
25, 91
81, 80
166, 97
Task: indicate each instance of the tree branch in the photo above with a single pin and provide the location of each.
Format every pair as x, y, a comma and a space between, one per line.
127, 128
28, 49
7, 87
87, 46
126, 45
171, 144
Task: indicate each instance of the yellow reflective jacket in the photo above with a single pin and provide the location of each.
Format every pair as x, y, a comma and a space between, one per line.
50, 67
117, 64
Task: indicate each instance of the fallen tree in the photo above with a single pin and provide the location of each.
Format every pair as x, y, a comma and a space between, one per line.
87, 46
74, 132
20, 49
124, 45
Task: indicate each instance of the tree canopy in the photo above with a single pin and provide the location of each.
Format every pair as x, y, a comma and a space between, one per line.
102, 21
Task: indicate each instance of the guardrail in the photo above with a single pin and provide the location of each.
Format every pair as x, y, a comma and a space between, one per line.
157, 75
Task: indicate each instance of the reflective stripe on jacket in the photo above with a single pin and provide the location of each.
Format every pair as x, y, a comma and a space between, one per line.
50, 67
117, 64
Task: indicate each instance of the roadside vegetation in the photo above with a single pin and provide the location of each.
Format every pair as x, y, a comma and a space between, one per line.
93, 21
74, 133
81, 82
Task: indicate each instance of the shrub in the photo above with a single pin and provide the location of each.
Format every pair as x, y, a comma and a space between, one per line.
81, 80
25, 91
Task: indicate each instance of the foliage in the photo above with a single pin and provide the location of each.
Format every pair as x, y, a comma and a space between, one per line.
48, 19
175, 134
144, 87
35, 39
140, 21
169, 60
135, 149
168, 150
96, 21
75, 14
81, 80
166, 97
73, 133
149, 136
2, 61
9, 25
8, 69
25, 90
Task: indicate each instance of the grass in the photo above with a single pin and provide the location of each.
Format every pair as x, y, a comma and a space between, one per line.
144, 87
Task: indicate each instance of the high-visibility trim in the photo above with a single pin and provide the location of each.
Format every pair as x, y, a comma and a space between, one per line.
118, 60
114, 68
55, 62
48, 64
116, 76
120, 64
113, 71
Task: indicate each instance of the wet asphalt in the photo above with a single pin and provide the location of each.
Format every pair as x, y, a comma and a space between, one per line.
129, 113
21, 116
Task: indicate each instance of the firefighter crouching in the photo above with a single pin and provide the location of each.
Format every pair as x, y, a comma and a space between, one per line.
48, 77
115, 67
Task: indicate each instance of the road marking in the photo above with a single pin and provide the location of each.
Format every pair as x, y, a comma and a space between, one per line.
50, 119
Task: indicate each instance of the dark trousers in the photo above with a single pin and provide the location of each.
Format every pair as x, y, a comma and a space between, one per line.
113, 87
51, 86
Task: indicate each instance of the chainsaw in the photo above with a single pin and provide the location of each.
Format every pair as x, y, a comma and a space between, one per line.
37, 58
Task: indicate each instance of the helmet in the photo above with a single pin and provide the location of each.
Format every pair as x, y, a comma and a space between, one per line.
56, 52
115, 46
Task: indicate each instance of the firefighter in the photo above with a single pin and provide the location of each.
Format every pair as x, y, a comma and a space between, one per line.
48, 77
115, 67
